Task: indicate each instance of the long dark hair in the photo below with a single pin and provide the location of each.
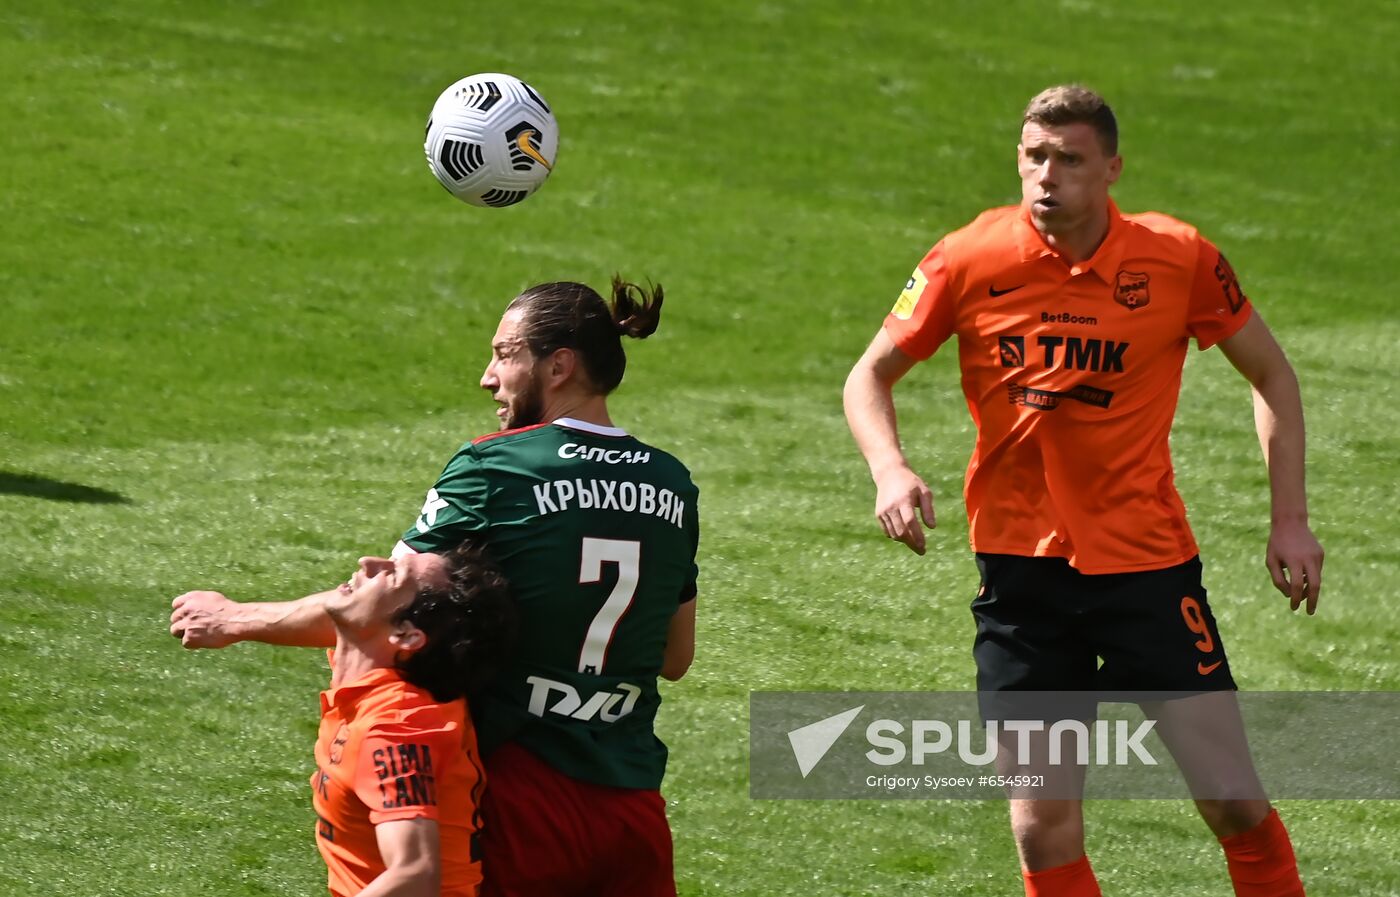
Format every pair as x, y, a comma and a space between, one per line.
568, 315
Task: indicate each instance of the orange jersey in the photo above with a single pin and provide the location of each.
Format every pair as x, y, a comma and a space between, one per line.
387, 751
1071, 373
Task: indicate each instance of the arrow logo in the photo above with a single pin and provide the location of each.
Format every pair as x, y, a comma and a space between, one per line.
811, 742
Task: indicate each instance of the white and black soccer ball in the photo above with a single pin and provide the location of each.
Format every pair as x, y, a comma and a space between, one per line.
491, 140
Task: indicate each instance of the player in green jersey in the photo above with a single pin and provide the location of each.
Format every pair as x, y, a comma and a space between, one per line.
597, 533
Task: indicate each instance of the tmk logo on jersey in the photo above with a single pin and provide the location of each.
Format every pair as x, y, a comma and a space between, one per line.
1131, 290
1013, 351
1070, 352
600, 706
1083, 354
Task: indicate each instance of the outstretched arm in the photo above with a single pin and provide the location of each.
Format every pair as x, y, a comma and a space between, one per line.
1294, 557
210, 620
901, 495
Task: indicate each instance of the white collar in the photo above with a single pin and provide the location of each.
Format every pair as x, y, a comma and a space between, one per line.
585, 426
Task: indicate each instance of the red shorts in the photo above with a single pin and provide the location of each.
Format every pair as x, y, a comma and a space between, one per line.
545, 834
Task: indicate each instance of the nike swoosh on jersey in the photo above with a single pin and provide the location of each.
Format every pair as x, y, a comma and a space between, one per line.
994, 292
1206, 669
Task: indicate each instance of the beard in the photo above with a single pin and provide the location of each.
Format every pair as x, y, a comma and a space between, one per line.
527, 409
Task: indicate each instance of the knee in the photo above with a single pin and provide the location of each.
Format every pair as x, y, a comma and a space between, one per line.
1232, 817
1048, 833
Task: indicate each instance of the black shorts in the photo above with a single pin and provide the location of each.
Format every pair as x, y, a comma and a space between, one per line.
1044, 626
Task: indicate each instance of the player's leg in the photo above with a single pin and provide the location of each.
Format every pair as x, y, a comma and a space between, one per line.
1048, 833
1157, 635
545, 834
1160, 636
1206, 737
1046, 803
639, 859
534, 837
1261, 860
1050, 842
1028, 642
1073, 879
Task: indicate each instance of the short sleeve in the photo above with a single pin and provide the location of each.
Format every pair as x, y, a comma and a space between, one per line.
692, 529
923, 316
454, 508
1218, 308
401, 763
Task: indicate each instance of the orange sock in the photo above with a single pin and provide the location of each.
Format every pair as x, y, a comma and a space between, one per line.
1261, 861
1070, 880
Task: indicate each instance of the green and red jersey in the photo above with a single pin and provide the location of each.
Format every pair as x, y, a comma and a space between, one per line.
597, 533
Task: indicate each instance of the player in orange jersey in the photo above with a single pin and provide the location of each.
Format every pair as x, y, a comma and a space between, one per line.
398, 780
597, 533
1073, 322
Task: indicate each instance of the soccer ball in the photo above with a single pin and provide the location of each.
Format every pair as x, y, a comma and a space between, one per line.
491, 140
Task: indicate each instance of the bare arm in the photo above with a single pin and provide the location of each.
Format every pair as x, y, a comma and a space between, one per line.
411, 852
210, 620
1293, 556
869, 402
680, 642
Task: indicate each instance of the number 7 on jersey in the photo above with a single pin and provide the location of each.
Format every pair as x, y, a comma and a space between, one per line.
627, 555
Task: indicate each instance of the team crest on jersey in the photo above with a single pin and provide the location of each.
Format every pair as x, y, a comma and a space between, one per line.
337, 751
1131, 290
904, 305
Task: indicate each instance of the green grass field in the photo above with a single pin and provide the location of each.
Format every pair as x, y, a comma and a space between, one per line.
241, 329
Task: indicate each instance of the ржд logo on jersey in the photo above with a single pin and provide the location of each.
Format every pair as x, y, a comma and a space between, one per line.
601, 705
